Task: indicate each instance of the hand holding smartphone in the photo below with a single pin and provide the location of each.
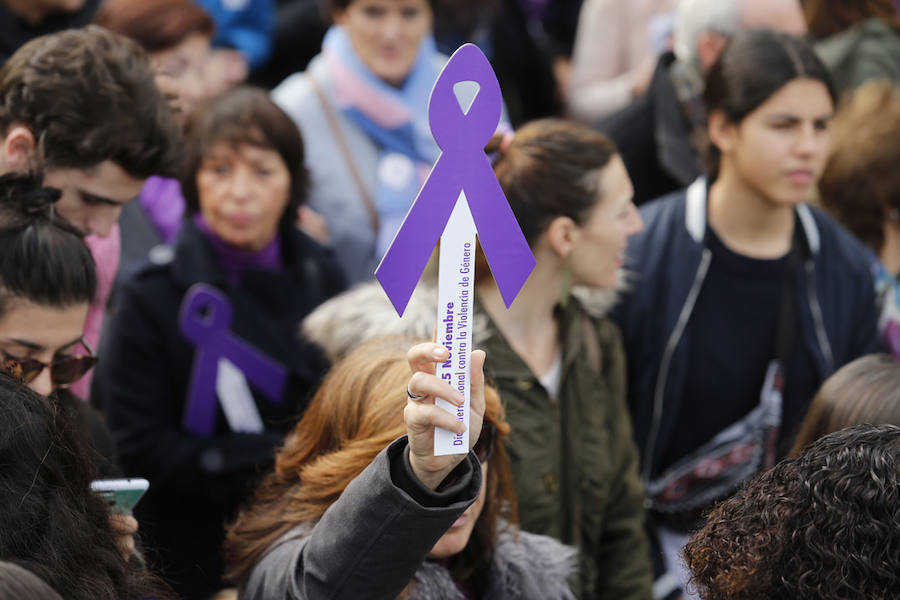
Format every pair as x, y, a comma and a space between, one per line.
122, 494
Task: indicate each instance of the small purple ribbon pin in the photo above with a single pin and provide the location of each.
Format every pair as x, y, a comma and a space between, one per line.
462, 166
205, 317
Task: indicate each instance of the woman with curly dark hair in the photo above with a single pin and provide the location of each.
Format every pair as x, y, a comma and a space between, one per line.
821, 526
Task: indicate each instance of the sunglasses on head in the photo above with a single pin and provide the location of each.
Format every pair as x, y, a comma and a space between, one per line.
64, 370
484, 447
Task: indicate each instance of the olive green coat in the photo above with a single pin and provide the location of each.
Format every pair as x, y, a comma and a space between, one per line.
868, 51
574, 463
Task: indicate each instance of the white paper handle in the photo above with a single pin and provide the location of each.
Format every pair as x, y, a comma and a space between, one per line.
456, 292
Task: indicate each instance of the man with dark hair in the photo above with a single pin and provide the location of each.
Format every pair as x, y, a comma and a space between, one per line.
82, 106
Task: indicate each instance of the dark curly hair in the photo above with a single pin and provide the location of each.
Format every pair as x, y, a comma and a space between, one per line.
824, 525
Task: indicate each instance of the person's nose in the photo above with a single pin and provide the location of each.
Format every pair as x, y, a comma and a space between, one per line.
808, 140
193, 90
102, 220
43, 383
392, 28
635, 224
240, 184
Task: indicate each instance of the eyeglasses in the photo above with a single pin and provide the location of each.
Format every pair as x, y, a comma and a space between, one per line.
484, 447
64, 370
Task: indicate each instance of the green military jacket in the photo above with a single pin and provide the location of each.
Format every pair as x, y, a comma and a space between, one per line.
867, 51
574, 464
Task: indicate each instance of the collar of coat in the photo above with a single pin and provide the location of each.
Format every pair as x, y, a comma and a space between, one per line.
696, 210
577, 335
196, 260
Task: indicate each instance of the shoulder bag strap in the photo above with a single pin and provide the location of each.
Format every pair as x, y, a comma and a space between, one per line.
331, 117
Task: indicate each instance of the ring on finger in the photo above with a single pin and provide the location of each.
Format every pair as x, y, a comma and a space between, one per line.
411, 395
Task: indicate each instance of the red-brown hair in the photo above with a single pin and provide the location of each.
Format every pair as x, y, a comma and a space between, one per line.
861, 183
356, 413
154, 24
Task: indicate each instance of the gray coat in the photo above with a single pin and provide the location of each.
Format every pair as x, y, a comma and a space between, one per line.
373, 541
333, 192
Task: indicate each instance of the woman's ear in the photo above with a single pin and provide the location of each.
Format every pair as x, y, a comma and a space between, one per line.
19, 150
721, 131
561, 236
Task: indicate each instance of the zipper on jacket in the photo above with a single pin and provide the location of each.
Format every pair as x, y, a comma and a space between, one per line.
818, 319
663, 373
564, 486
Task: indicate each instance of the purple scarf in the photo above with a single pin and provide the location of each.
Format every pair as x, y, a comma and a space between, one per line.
534, 8
161, 199
235, 261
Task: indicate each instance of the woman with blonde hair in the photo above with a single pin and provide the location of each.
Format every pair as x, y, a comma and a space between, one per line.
355, 509
821, 525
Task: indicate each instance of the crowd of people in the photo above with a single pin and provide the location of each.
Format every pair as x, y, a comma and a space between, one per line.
694, 394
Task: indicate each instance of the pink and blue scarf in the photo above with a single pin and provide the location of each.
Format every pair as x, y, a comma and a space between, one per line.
395, 119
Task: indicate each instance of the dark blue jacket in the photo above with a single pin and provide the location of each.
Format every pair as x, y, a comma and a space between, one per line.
836, 309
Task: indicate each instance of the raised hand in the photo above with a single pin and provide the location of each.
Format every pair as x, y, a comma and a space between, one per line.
422, 415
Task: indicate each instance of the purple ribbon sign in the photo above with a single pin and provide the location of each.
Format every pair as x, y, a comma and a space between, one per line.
205, 318
460, 198
461, 167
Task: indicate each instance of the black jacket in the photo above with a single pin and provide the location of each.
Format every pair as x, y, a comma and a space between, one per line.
835, 301
93, 431
654, 138
197, 483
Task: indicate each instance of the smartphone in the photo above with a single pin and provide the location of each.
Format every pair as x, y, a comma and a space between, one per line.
122, 494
